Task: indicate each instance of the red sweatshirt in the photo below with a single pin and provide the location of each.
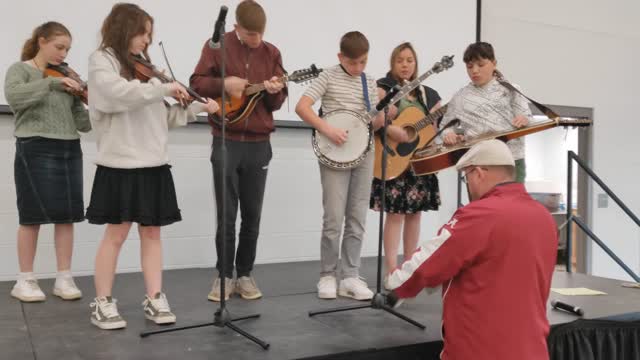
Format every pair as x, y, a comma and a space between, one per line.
495, 259
255, 65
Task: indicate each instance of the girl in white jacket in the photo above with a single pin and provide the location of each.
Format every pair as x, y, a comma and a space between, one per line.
133, 181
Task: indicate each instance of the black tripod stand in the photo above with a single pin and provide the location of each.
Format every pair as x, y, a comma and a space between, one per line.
378, 301
221, 318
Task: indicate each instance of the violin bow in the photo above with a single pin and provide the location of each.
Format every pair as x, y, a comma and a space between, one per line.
191, 92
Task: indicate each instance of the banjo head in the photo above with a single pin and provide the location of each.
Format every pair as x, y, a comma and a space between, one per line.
358, 139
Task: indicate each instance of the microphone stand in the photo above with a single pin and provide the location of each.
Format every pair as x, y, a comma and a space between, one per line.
458, 131
221, 318
379, 301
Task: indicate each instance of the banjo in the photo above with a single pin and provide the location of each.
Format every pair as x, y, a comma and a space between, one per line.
360, 137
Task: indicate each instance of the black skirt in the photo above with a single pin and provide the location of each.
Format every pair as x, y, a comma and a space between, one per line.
48, 178
146, 196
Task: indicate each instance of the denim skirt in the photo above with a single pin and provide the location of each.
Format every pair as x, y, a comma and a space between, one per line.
48, 178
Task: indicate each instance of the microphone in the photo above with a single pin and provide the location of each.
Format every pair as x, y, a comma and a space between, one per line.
458, 129
214, 42
576, 310
455, 122
385, 100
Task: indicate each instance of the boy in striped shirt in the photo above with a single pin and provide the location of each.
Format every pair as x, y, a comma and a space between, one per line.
345, 193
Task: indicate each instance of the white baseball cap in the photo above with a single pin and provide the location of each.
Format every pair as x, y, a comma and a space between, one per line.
487, 152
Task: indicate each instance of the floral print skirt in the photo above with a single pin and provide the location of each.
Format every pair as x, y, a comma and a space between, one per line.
406, 194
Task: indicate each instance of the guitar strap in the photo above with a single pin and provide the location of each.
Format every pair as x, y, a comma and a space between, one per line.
365, 91
545, 110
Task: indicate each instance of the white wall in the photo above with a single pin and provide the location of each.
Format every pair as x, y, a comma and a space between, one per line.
546, 156
583, 53
306, 31
291, 220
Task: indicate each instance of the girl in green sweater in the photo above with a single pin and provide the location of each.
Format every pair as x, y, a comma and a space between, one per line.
48, 159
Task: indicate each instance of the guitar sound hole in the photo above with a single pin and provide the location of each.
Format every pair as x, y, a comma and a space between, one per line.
411, 132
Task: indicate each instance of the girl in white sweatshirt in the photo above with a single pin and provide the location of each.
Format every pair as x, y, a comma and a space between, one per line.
133, 181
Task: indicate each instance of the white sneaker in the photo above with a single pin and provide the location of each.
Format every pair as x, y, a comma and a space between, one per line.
327, 287
66, 288
157, 309
105, 314
355, 288
27, 291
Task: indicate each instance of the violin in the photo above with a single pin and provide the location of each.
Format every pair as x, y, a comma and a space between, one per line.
63, 70
144, 71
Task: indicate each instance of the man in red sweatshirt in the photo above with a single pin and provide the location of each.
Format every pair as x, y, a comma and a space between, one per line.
494, 260
249, 60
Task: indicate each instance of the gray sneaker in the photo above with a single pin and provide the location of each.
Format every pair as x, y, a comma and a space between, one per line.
229, 288
247, 288
105, 314
157, 309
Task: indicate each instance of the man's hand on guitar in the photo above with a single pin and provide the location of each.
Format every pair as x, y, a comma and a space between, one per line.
397, 134
235, 86
336, 135
451, 138
520, 121
273, 85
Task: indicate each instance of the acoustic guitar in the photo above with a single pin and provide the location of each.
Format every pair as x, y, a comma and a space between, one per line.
420, 129
238, 109
437, 157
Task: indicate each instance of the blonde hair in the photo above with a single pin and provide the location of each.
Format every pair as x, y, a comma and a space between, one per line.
396, 52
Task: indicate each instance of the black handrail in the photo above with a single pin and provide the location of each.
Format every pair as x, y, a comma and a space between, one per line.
572, 156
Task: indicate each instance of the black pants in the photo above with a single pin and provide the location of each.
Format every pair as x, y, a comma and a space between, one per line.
246, 174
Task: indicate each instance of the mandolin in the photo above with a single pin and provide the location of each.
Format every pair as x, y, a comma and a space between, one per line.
238, 109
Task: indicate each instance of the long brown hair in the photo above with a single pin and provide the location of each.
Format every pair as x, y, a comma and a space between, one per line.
124, 22
47, 31
394, 55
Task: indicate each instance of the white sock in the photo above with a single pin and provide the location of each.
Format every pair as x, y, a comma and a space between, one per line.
63, 274
24, 276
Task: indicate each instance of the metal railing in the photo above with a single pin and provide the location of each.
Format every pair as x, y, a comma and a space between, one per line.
572, 156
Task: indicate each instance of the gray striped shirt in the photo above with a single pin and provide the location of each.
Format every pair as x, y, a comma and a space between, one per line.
339, 90
488, 109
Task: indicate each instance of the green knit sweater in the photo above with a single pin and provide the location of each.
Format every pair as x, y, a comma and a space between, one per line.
41, 106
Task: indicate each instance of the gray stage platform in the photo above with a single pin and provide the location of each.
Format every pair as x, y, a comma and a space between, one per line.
61, 330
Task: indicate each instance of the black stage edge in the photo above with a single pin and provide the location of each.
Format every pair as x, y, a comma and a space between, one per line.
58, 329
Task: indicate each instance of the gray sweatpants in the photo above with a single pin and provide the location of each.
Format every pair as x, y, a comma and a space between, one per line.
345, 197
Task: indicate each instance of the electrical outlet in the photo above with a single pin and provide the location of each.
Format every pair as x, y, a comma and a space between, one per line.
603, 200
